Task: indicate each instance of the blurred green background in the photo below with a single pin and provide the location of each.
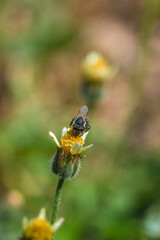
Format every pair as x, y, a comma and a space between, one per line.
116, 195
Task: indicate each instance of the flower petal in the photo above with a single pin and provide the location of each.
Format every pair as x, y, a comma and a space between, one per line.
24, 222
54, 138
85, 148
64, 131
57, 224
84, 136
42, 214
76, 148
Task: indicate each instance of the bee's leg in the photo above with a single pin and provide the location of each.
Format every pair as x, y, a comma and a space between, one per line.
71, 122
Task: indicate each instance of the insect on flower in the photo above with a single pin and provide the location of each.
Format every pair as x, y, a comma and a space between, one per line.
67, 160
80, 123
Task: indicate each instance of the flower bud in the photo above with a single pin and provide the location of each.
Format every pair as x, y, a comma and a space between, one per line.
65, 167
95, 71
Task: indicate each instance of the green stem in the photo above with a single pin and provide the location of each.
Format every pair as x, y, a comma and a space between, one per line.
57, 199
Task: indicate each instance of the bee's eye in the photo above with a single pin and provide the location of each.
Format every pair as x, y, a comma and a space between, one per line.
80, 121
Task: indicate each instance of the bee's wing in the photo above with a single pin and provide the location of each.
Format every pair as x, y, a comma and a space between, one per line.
83, 110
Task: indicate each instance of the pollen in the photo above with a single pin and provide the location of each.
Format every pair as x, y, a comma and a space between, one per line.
69, 139
38, 229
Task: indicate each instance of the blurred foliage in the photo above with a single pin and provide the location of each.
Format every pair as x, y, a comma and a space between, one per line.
116, 195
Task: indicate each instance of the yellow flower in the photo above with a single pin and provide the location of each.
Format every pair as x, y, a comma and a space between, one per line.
96, 69
39, 228
70, 142
66, 162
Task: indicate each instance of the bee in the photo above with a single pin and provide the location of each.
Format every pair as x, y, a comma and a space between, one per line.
80, 123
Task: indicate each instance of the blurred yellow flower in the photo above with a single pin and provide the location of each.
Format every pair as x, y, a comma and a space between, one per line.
39, 228
95, 68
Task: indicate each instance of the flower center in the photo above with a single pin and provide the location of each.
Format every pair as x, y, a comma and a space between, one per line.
38, 229
69, 139
97, 70
100, 65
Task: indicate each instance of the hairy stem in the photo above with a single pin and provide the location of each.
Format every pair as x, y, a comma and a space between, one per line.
57, 199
